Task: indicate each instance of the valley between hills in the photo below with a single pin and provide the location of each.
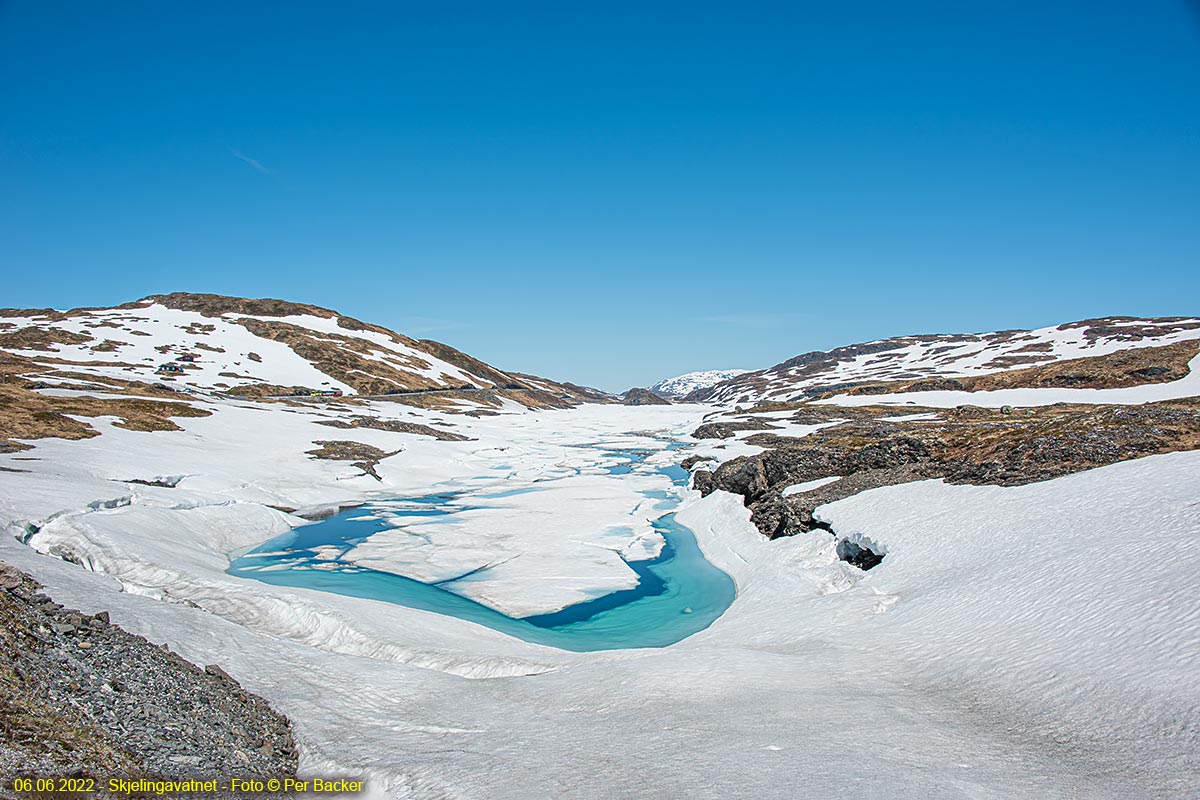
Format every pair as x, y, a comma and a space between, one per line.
262, 537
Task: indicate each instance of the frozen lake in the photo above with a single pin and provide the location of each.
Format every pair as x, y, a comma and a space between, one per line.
677, 592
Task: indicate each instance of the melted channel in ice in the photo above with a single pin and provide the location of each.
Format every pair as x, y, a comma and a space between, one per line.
678, 593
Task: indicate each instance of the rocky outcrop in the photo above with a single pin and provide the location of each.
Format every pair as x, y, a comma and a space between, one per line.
692, 461
81, 696
726, 430
217, 305
643, 397
365, 456
965, 445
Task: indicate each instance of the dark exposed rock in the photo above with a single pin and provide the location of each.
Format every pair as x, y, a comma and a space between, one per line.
215, 305
726, 430
82, 697
857, 554
162, 483
968, 445
343, 450
643, 397
692, 461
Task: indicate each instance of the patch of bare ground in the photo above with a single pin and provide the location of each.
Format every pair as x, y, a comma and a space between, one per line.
199, 328
69, 379
964, 445
395, 426
366, 457
29, 414
260, 390
348, 359
1131, 329
38, 338
54, 361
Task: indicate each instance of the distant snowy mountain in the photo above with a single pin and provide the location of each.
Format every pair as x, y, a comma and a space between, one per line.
929, 361
206, 343
683, 385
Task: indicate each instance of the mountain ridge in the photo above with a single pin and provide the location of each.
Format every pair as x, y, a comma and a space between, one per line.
259, 347
938, 356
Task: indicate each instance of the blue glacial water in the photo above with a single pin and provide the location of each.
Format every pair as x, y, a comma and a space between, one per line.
678, 593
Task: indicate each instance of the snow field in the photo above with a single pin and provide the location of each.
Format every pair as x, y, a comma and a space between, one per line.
1027, 642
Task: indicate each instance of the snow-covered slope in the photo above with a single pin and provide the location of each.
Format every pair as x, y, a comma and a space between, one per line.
1027, 642
215, 343
1034, 641
946, 356
683, 385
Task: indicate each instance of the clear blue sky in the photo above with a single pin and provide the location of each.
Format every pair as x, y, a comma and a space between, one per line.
610, 192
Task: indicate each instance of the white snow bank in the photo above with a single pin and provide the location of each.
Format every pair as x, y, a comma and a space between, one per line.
1069, 604
806, 486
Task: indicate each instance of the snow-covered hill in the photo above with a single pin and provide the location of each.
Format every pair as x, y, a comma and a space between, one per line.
683, 385
936, 356
200, 342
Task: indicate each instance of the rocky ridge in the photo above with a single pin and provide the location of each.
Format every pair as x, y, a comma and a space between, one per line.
868, 447
933, 358
643, 397
845, 449
82, 697
253, 347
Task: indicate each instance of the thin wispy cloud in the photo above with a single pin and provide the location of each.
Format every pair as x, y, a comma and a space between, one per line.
258, 165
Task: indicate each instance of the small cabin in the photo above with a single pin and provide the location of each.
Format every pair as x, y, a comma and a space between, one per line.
173, 369
188, 357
